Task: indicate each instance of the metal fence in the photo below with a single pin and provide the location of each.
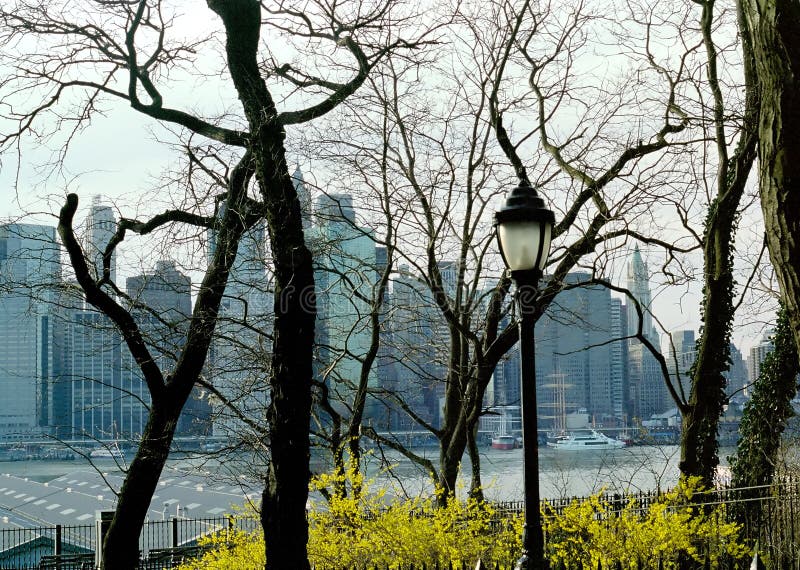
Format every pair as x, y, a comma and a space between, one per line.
768, 515
162, 544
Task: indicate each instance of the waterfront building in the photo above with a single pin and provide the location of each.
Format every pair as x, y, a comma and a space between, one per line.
240, 352
303, 196
736, 376
684, 344
30, 344
578, 358
680, 362
412, 346
638, 284
506, 380
757, 355
101, 225
100, 407
162, 304
345, 270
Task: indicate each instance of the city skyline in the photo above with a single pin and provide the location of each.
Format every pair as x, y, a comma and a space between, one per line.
332, 220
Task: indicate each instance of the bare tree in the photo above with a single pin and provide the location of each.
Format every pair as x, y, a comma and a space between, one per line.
447, 169
127, 51
705, 405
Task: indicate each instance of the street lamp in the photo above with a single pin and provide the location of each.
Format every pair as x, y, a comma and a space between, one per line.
524, 227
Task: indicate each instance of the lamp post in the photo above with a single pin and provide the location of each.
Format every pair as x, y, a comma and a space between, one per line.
524, 227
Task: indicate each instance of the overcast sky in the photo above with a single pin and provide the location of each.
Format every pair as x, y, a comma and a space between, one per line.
118, 158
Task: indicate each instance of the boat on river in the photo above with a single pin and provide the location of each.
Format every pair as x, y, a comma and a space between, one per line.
584, 441
110, 452
504, 441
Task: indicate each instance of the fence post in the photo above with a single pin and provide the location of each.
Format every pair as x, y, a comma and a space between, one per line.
757, 563
102, 522
174, 542
57, 544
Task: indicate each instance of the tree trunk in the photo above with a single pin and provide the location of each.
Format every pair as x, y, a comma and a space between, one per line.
773, 31
451, 452
700, 421
476, 485
699, 446
121, 545
283, 508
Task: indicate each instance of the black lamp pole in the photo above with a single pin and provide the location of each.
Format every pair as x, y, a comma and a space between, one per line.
524, 227
532, 537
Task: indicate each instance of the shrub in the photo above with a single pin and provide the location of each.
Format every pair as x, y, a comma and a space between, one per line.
590, 532
366, 529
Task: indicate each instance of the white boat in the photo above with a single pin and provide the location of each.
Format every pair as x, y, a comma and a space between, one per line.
586, 440
107, 453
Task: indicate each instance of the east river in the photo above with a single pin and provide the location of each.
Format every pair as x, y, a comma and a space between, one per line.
562, 473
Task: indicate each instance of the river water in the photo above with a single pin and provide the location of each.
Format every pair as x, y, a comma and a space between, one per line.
562, 473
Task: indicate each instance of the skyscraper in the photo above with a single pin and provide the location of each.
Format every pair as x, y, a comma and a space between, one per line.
94, 378
162, 308
639, 286
736, 376
648, 389
344, 255
239, 357
683, 342
303, 196
578, 357
413, 345
30, 272
100, 227
757, 355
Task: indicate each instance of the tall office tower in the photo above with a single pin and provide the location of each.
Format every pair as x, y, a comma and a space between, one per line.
639, 286
30, 344
620, 393
757, 355
164, 294
736, 376
240, 351
680, 363
412, 320
648, 389
303, 196
97, 397
578, 365
505, 384
449, 272
385, 366
504, 387
100, 227
344, 254
162, 308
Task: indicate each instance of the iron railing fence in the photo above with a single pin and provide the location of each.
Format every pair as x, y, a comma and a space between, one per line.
768, 514
162, 544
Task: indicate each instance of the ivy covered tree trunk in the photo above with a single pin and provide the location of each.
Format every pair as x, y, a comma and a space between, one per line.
767, 411
772, 28
765, 417
699, 446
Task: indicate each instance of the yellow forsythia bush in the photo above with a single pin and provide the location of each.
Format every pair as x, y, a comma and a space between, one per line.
349, 532
590, 532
